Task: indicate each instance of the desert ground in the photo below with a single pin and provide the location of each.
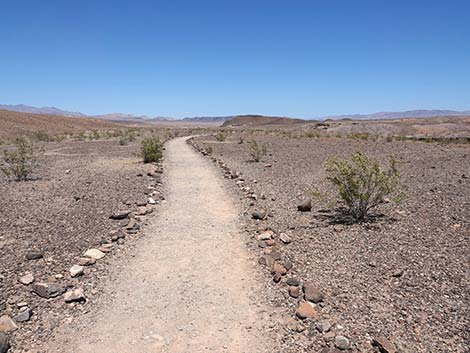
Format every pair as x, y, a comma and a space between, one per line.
188, 268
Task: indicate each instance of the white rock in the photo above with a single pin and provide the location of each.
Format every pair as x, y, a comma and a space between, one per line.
285, 238
75, 295
266, 235
27, 279
94, 254
76, 270
152, 201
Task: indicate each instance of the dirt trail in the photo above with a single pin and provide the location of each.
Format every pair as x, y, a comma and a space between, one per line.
191, 286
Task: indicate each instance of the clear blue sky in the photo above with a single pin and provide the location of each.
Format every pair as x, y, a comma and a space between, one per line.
187, 58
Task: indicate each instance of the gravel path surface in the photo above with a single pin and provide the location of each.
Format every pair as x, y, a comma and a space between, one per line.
191, 286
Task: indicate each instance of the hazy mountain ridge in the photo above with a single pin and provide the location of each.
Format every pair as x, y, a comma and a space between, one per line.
43, 110
419, 113
122, 117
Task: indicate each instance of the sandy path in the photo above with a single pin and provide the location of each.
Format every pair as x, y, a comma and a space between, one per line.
191, 286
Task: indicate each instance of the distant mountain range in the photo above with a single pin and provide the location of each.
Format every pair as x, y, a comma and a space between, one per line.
208, 119
423, 113
44, 110
120, 117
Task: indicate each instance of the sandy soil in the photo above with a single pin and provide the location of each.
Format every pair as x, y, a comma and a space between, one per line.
191, 286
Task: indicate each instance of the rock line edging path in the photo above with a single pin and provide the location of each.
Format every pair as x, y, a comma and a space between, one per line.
191, 286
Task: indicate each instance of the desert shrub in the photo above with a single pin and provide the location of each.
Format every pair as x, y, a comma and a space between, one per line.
81, 136
257, 151
41, 136
19, 163
95, 135
151, 150
221, 136
312, 134
126, 137
361, 183
59, 138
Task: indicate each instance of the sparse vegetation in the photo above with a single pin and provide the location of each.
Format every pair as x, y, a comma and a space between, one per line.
257, 151
126, 137
151, 150
220, 136
41, 136
19, 163
362, 184
312, 134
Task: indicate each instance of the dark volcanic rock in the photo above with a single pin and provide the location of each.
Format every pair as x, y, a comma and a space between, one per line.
120, 215
4, 343
23, 315
34, 255
259, 215
47, 290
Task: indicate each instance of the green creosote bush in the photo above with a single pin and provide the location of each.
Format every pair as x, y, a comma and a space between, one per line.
257, 151
362, 184
20, 163
41, 136
127, 136
151, 150
221, 136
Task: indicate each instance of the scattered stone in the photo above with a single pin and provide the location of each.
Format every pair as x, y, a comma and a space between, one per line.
142, 211
151, 201
294, 291
285, 238
120, 215
398, 273
341, 343
260, 215
312, 293
384, 345
288, 265
76, 270
262, 244
305, 310
27, 279
47, 290
75, 295
106, 248
270, 242
278, 268
59, 276
132, 225
266, 260
120, 241
266, 235
323, 326
86, 261
305, 206
277, 277
24, 314
292, 281
7, 324
4, 343
94, 254
34, 255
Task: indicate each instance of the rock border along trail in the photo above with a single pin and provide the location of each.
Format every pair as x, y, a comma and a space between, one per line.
191, 286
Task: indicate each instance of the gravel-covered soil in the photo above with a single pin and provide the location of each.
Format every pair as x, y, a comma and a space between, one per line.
402, 280
60, 214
